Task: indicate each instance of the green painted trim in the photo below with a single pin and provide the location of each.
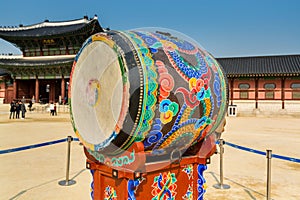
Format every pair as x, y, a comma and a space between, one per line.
295, 78
244, 78
270, 78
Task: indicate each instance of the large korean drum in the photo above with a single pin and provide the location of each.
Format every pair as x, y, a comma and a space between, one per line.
153, 87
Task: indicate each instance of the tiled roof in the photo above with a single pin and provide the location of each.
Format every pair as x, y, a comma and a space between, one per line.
258, 66
3, 72
37, 61
49, 28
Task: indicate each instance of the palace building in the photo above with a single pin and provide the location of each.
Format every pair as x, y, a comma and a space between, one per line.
257, 84
264, 84
48, 48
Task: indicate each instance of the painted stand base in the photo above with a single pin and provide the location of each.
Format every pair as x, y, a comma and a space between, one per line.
173, 181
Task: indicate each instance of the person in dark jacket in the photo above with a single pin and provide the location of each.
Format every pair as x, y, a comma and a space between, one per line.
18, 109
12, 109
23, 110
30, 105
54, 111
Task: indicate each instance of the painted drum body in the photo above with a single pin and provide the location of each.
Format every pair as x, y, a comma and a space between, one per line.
145, 86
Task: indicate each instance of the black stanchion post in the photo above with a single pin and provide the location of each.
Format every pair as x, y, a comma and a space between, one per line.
221, 185
269, 157
68, 182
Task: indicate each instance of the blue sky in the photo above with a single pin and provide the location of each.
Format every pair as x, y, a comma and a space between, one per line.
225, 28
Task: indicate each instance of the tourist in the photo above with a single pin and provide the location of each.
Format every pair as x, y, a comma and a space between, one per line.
54, 110
12, 109
65, 100
51, 107
33, 99
18, 109
23, 110
30, 105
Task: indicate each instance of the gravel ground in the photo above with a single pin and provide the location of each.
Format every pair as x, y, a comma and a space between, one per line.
34, 173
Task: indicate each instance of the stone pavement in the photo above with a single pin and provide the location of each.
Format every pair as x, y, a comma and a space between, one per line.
35, 173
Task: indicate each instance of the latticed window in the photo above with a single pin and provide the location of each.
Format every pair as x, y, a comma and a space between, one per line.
244, 87
269, 87
295, 90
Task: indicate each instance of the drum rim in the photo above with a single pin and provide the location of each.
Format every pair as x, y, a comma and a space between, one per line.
101, 37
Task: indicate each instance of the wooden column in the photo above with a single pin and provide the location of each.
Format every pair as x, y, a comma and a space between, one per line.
231, 90
41, 51
63, 88
256, 93
282, 91
37, 90
6, 94
52, 93
15, 85
67, 50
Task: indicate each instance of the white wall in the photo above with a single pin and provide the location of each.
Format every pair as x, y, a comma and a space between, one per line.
272, 107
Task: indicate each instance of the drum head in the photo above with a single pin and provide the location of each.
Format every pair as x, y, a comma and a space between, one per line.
96, 90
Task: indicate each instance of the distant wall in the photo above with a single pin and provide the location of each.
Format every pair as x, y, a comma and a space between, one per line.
2, 91
267, 107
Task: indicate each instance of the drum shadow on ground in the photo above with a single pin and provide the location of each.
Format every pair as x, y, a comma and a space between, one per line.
248, 190
45, 183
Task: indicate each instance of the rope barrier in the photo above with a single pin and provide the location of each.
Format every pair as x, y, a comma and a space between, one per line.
34, 146
297, 160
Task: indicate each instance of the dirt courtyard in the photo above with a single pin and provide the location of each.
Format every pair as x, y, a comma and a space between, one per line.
35, 173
